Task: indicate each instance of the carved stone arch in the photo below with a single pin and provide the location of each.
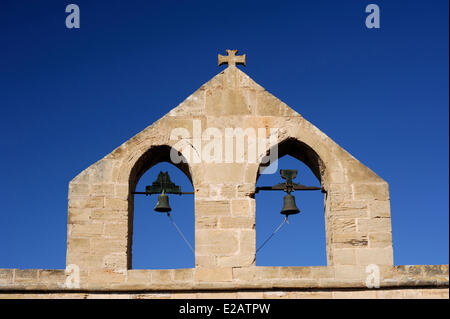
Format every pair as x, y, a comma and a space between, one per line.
101, 203
303, 141
300, 151
154, 155
292, 145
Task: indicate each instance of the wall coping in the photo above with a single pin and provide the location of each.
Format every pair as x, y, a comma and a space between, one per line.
225, 279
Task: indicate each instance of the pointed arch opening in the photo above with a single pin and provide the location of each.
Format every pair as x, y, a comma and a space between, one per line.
154, 241
302, 241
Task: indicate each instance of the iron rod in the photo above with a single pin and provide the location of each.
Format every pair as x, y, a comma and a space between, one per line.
145, 193
270, 188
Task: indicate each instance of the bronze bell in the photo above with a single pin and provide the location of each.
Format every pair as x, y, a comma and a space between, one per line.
163, 204
289, 207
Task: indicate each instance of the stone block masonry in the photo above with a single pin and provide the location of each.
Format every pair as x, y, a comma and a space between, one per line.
100, 214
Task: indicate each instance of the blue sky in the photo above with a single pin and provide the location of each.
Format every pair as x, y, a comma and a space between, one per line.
69, 97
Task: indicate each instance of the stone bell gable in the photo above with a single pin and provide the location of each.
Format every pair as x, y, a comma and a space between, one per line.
357, 210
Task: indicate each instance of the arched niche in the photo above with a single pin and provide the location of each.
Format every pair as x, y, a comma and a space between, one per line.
153, 156
307, 230
298, 150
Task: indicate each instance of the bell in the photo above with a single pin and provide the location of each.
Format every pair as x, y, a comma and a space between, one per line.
163, 204
289, 207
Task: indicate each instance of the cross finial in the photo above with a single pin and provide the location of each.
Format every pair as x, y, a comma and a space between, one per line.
232, 59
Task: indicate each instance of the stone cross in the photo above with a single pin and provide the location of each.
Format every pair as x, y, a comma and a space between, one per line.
232, 59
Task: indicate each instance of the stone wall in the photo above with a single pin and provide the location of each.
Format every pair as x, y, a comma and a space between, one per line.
357, 210
418, 293
231, 282
100, 212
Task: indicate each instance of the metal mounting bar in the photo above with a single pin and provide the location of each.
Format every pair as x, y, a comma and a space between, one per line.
150, 193
281, 187
288, 186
